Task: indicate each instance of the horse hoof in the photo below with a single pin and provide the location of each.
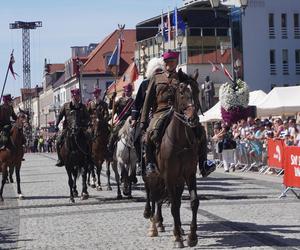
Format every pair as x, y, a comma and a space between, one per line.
152, 233
11, 180
99, 188
119, 197
72, 200
178, 244
161, 228
109, 188
21, 197
181, 231
192, 241
84, 196
147, 213
126, 193
75, 193
93, 186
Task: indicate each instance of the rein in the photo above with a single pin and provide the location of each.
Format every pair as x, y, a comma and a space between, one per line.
182, 118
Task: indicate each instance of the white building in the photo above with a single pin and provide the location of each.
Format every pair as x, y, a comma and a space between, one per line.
271, 43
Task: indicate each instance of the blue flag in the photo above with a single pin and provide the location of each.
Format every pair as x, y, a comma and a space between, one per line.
178, 22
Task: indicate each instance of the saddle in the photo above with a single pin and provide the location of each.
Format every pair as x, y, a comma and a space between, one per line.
160, 127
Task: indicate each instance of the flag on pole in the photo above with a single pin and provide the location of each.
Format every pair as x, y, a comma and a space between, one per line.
226, 72
178, 23
10, 66
116, 55
169, 28
215, 68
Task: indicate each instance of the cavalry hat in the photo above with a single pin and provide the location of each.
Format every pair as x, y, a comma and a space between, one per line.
170, 55
128, 88
97, 91
75, 92
7, 98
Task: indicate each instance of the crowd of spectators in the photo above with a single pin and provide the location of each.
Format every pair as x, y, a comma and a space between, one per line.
42, 144
245, 142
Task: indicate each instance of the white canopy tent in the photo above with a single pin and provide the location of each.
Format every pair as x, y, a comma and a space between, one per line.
281, 101
214, 114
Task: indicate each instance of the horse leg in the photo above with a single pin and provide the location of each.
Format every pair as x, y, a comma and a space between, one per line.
152, 231
117, 177
92, 171
84, 193
4, 177
175, 210
74, 187
108, 176
11, 172
69, 172
147, 210
159, 219
99, 169
18, 167
192, 186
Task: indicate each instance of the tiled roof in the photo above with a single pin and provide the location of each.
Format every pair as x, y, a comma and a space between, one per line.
52, 68
96, 62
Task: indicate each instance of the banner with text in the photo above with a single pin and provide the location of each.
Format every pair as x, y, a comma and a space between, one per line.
292, 167
276, 153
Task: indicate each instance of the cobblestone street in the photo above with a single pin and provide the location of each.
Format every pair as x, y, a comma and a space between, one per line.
237, 210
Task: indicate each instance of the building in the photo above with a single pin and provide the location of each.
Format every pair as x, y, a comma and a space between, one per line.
265, 41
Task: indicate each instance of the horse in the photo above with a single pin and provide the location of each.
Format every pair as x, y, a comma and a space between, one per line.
100, 131
11, 157
75, 153
177, 159
125, 158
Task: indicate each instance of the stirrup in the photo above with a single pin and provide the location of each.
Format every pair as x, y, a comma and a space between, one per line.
151, 169
59, 164
208, 168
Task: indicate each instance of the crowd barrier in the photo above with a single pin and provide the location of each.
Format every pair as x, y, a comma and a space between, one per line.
287, 159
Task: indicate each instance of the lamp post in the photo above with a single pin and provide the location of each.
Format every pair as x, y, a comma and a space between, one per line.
159, 41
236, 65
180, 37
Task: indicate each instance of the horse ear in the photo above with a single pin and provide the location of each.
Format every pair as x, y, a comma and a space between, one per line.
196, 74
182, 76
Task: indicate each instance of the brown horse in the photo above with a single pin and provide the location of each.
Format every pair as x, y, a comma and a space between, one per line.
100, 131
177, 160
12, 155
75, 153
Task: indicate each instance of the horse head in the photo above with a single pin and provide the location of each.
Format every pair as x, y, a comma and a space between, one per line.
185, 104
16, 132
127, 133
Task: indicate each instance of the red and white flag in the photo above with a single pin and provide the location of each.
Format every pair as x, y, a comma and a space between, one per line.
10, 66
215, 68
226, 72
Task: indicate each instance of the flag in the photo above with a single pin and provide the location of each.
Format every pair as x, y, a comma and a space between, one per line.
116, 55
169, 28
226, 72
215, 68
178, 23
10, 66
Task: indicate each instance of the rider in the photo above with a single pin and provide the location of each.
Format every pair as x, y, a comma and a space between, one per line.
160, 99
122, 108
98, 107
6, 113
67, 112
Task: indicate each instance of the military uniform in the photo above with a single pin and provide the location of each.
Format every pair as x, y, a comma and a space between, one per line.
159, 99
75, 116
6, 113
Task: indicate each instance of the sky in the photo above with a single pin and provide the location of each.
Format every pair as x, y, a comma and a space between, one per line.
65, 23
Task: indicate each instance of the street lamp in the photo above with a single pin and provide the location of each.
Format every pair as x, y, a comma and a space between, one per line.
180, 37
159, 40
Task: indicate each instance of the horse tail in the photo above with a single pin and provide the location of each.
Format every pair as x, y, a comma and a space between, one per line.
157, 188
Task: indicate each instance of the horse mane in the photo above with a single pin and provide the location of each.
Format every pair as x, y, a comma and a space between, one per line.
125, 128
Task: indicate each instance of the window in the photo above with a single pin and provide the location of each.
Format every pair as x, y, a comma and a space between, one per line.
285, 62
297, 61
272, 62
284, 26
271, 26
296, 26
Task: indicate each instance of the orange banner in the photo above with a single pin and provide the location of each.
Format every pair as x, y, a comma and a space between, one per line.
292, 167
276, 153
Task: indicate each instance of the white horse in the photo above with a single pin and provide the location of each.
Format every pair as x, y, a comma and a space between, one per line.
125, 157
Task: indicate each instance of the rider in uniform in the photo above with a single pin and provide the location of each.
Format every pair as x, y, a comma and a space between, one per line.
6, 113
159, 100
122, 108
80, 118
98, 107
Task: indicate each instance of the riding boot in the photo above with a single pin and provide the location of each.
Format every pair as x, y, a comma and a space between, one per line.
150, 158
206, 167
60, 162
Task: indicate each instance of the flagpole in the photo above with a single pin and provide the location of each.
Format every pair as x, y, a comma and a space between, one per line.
5, 78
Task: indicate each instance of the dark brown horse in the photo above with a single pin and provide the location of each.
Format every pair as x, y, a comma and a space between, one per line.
177, 160
12, 155
100, 131
76, 154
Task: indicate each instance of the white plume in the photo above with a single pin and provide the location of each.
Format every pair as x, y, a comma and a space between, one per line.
153, 65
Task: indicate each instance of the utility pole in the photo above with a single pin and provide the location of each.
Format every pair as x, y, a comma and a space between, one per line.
26, 27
